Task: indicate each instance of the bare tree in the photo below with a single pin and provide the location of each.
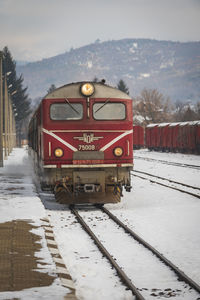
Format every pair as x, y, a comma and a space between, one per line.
153, 107
186, 112
198, 110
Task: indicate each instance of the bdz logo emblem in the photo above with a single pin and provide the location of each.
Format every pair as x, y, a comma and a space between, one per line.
88, 138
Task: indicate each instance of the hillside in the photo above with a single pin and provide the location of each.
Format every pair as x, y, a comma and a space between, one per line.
171, 67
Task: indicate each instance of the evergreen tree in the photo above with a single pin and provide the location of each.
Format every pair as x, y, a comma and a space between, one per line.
123, 87
18, 93
51, 89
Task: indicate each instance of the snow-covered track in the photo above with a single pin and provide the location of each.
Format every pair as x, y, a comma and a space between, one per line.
169, 162
149, 177
120, 272
180, 274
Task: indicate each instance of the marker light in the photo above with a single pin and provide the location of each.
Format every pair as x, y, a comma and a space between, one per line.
118, 151
87, 89
58, 152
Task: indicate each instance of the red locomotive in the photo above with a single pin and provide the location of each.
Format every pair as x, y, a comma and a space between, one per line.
81, 140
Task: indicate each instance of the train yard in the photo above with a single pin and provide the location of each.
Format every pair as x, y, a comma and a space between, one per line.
119, 252
181, 187
164, 218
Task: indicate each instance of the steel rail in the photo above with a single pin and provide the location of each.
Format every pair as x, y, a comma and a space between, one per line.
163, 178
169, 163
181, 275
120, 272
165, 185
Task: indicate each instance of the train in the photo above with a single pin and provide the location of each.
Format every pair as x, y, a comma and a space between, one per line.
181, 137
81, 143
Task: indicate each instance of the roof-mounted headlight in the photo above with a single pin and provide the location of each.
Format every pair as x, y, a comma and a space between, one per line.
87, 89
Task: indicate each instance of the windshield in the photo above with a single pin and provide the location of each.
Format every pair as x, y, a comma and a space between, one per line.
66, 111
109, 111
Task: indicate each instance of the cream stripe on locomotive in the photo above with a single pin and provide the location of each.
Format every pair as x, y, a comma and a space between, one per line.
59, 139
89, 166
102, 149
116, 139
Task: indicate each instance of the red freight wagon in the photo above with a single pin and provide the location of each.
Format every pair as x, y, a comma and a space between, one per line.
151, 136
183, 136
141, 136
163, 136
192, 128
135, 137
173, 133
81, 138
154, 137
197, 138
138, 137
147, 137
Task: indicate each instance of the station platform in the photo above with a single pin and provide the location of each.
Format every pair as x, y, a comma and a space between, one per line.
30, 264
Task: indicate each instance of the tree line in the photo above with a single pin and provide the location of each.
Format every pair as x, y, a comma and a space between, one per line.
151, 106
18, 93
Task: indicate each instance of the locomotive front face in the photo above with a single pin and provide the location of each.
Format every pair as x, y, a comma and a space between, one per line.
86, 140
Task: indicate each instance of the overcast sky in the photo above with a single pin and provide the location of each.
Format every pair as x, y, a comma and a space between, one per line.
36, 29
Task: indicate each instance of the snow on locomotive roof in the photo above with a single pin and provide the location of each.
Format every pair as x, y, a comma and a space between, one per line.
72, 90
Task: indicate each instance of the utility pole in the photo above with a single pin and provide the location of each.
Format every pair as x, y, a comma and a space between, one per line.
6, 119
1, 110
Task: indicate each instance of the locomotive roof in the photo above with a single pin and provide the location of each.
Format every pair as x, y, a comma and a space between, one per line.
72, 90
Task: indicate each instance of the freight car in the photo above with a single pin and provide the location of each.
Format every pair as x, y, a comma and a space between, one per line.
81, 141
138, 137
175, 137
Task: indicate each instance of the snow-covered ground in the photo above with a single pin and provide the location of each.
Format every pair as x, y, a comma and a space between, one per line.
19, 201
167, 219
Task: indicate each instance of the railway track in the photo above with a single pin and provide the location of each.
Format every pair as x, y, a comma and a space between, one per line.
178, 186
123, 276
168, 162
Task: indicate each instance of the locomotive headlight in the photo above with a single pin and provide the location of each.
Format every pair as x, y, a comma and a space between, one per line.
118, 151
58, 152
87, 89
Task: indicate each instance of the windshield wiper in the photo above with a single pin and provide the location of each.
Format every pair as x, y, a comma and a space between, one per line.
102, 106
72, 106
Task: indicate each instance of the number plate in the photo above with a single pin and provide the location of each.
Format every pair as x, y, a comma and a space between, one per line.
86, 147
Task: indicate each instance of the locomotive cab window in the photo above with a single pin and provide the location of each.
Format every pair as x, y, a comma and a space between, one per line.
109, 111
66, 111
